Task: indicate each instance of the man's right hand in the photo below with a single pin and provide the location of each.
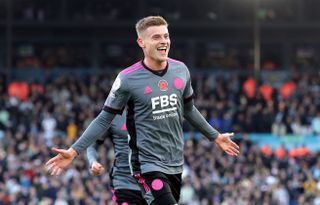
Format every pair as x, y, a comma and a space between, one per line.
96, 168
64, 158
227, 145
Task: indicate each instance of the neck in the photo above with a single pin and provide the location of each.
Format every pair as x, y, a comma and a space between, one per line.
155, 65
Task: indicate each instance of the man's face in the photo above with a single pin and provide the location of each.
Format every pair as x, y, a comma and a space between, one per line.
155, 42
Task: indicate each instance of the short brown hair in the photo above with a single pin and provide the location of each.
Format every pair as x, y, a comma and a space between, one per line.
149, 21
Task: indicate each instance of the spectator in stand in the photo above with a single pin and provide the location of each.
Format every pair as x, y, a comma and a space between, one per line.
315, 123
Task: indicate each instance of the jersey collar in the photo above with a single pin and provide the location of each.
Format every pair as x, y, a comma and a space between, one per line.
159, 73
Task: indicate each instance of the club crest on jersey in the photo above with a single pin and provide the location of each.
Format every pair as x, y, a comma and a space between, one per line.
116, 85
163, 85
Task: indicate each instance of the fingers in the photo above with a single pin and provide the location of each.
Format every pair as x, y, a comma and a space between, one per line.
229, 153
54, 169
55, 165
96, 166
59, 151
231, 134
234, 151
99, 169
96, 171
233, 148
52, 160
57, 171
233, 144
51, 166
102, 170
227, 145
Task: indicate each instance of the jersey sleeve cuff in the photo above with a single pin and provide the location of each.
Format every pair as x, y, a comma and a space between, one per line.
188, 99
112, 110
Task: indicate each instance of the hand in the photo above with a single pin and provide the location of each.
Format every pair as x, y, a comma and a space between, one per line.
63, 159
227, 145
96, 168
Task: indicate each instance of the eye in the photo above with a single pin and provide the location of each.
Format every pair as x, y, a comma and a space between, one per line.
156, 37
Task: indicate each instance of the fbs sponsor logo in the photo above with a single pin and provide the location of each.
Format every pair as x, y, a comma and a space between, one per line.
164, 106
163, 101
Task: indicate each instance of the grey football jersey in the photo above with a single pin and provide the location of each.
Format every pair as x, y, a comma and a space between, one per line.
155, 114
121, 175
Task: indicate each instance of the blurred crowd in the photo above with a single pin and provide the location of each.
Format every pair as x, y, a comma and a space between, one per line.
73, 55
244, 104
205, 10
57, 112
208, 55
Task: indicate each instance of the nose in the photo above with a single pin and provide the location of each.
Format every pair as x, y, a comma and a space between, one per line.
164, 39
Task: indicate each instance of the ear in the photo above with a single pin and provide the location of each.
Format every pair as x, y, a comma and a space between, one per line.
140, 42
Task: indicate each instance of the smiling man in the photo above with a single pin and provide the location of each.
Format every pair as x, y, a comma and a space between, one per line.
158, 94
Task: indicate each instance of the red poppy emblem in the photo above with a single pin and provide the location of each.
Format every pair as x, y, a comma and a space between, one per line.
163, 85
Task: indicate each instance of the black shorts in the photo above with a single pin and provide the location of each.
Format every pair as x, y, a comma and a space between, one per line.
164, 188
127, 197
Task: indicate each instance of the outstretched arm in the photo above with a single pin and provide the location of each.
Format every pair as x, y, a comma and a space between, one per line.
97, 128
194, 117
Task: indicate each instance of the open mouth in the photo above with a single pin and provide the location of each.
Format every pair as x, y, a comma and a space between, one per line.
162, 50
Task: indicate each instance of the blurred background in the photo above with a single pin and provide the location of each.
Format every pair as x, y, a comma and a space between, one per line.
255, 67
